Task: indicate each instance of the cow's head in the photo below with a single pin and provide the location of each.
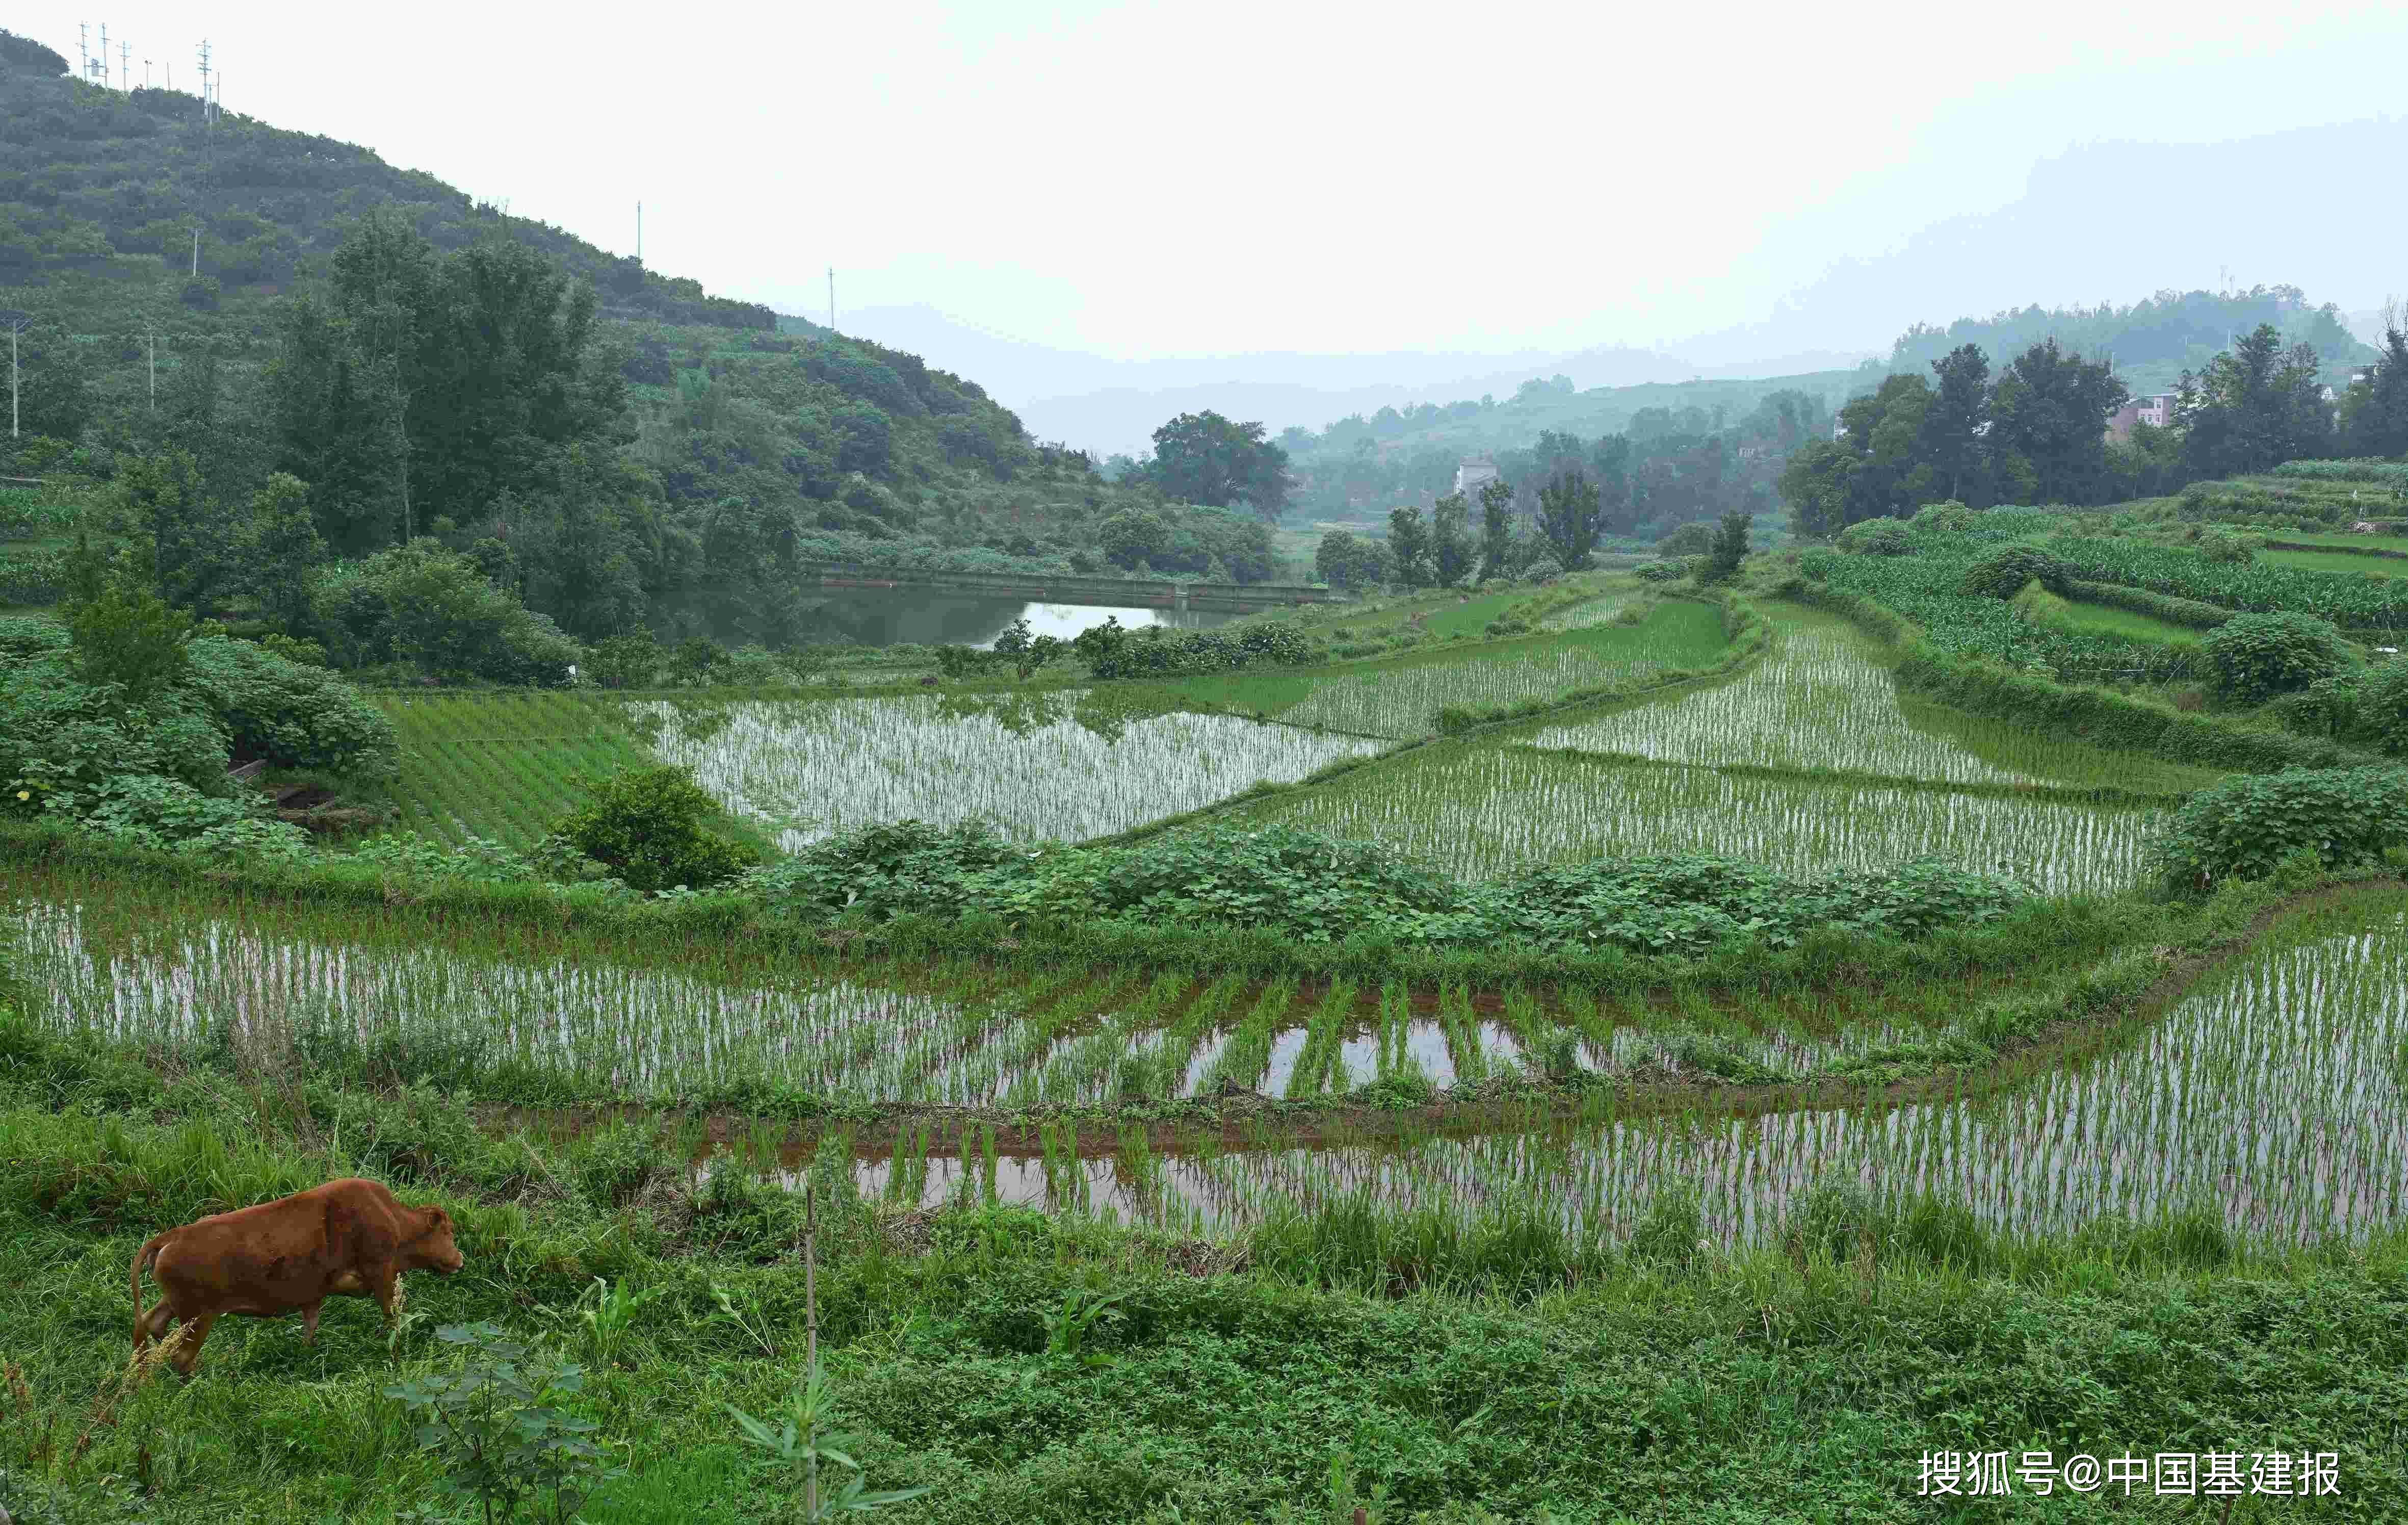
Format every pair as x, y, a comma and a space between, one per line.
433, 1249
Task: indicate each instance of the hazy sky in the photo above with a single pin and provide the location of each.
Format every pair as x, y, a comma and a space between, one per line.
1157, 180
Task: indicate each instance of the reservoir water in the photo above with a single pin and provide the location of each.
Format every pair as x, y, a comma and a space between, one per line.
896, 616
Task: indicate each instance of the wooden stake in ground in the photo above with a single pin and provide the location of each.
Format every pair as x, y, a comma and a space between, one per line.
810, 1338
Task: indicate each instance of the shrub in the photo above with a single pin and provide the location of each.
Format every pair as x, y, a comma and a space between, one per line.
632, 661
2257, 656
647, 825
1877, 538
2348, 817
1946, 517
1663, 571
2004, 572
2383, 706
435, 611
165, 814
2227, 548
292, 716
21, 637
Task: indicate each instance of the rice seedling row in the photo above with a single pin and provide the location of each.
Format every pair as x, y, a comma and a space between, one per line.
836, 765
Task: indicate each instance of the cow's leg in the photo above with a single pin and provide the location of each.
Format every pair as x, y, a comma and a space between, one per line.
154, 1324
188, 1355
310, 1321
382, 1279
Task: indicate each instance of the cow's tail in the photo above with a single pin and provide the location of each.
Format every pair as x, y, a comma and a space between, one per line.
143, 1259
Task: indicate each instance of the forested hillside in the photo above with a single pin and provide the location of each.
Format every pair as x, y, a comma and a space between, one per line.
212, 304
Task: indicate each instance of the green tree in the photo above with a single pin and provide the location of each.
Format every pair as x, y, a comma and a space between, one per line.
1729, 548
2255, 406
2378, 415
648, 826
128, 636
1569, 517
1409, 543
2049, 411
1496, 527
1451, 546
282, 551
1133, 535
1951, 439
1345, 560
1205, 458
190, 543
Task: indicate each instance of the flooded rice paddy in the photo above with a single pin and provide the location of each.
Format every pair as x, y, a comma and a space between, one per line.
2274, 1089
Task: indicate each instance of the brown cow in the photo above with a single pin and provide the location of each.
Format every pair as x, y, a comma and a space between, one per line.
351, 1237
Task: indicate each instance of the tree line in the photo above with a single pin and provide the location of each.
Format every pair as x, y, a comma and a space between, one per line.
2037, 431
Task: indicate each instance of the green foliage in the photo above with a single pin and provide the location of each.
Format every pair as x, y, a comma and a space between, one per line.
2383, 707
128, 637
1729, 548
2004, 572
2243, 829
1882, 537
1347, 560
1949, 517
632, 661
648, 826
1316, 888
21, 636
1570, 518
1409, 544
433, 611
1112, 651
2257, 656
1205, 458
287, 715
2227, 549
504, 1428
165, 814
1662, 572
802, 1439
2381, 472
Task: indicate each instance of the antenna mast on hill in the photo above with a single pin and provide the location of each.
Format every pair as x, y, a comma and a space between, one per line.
126, 66
205, 79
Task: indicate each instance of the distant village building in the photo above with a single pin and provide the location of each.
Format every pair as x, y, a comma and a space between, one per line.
2156, 411
1475, 472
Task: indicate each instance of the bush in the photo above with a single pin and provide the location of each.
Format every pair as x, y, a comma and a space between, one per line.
21, 637
1947, 517
291, 715
2383, 707
1112, 651
2257, 656
435, 611
1877, 538
2240, 829
2225, 547
632, 661
144, 810
2004, 572
1662, 572
646, 824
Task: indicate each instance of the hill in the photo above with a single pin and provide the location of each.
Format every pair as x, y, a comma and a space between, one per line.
174, 263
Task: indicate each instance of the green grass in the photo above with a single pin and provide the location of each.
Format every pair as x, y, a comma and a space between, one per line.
2098, 619
2345, 543
2337, 561
1471, 616
1401, 696
504, 764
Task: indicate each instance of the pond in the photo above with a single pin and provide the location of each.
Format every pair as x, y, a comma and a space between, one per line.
900, 615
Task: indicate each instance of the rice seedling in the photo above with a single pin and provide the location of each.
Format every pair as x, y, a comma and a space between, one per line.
1486, 809
1819, 702
1035, 771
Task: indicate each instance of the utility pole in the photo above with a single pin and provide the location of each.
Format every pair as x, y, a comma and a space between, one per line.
154, 372
126, 66
639, 234
196, 250
103, 55
831, 298
15, 323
